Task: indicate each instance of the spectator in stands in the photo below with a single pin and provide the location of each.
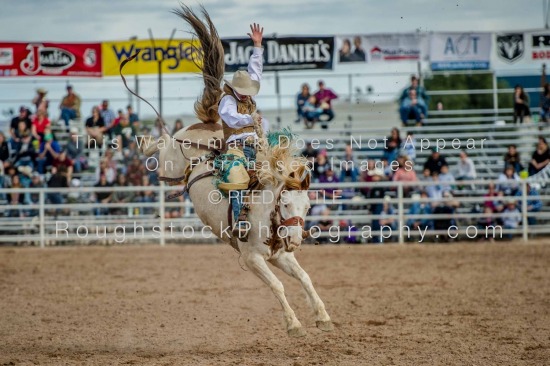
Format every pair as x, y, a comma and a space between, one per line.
124, 133
435, 190
426, 175
132, 117
40, 102
16, 198
446, 206
420, 206
108, 116
49, 150
34, 198
376, 193
324, 97
420, 91
349, 169
413, 107
103, 197
321, 166
386, 219
534, 203
24, 116
485, 221
178, 125
366, 177
513, 158
494, 199
392, 144
446, 179
435, 161
311, 111
466, 169
540, 157
408, 146
146, 196
75, 151
136, 170
508, 181
64, 165
122, 196
545, 97
511, 217
70, 106
301, 99
24, 152
95, 128
521, 105
157, 130
309, 152
131, 152
4, 151
329, 177
57, 180
39, 125
325, 223
405, 173
106, 168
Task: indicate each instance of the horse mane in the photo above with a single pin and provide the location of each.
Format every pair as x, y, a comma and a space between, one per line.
282, 166
210, 61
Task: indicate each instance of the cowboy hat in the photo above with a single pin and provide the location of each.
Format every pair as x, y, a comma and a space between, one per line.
243, 84
41, 91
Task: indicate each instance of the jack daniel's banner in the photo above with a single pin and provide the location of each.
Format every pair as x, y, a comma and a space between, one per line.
285, 53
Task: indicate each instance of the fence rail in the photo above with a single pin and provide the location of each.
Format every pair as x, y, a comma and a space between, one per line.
85, 220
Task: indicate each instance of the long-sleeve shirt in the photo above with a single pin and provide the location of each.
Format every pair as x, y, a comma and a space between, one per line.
325, 95
228, 105
466, 169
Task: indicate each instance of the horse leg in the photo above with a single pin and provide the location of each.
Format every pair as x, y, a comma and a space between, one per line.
256, 263
288, 264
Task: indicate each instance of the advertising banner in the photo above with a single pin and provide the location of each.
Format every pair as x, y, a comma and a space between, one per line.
460, 51
178, 56
284, 53
351, 48
394, 47
50, 59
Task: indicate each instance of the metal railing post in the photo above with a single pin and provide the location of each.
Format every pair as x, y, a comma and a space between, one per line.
161, 214
400, 209
41, 216
495, 93
525, 226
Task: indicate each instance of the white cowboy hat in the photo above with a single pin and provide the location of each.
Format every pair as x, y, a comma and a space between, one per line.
41, 91
243, 84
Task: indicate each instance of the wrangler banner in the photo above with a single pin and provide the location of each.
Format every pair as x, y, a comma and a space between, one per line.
50, 59
178, 56
284, 53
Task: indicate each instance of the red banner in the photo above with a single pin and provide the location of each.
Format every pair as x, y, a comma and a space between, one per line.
50, 59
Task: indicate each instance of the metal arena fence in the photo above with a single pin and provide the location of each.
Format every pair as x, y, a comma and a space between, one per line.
345, 218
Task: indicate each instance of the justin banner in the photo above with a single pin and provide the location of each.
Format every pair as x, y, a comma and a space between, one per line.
284, 53
50, 59
460, 51
178, 55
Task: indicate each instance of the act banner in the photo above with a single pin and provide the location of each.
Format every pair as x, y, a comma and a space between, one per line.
179, 56
50, 59
284, 53
460, 51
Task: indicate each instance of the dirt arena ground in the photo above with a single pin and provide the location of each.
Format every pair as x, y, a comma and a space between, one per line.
470, 304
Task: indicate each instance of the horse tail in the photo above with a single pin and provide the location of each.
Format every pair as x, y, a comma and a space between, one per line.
210, 61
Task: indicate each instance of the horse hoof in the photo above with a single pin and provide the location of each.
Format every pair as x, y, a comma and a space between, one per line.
325, 326
296, 332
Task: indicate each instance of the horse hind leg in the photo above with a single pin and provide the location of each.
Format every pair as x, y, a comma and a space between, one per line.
288, 264
257, 264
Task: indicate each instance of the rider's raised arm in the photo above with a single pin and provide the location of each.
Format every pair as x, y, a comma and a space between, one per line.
255, 64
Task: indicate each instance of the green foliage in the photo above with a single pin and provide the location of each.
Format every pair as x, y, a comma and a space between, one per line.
466, 101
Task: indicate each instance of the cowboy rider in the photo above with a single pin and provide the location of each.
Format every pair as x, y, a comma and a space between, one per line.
237, 110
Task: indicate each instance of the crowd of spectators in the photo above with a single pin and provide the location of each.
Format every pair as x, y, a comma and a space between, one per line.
312, 108
53, 148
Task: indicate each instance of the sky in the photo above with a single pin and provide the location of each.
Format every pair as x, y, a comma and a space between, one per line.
102, 20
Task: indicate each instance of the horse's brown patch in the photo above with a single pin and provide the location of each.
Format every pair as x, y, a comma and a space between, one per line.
205, 127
